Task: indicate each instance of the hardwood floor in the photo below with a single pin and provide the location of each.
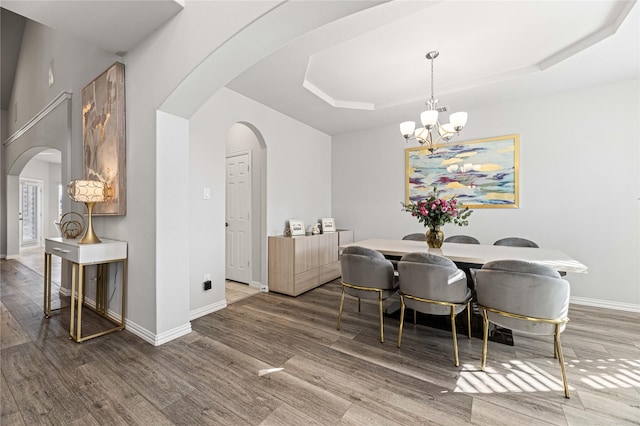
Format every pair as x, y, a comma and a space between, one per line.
278, 360
235, 291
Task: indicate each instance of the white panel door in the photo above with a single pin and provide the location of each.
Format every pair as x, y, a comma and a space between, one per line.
238, 212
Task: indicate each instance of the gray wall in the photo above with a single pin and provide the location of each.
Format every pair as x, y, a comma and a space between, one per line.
579, 184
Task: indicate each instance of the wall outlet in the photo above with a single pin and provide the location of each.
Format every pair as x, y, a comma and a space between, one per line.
207, 285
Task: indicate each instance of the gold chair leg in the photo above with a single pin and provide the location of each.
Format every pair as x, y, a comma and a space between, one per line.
561, 361
401, 319
381, 319
555, 349
469, 320
415, 317
455, 337
340, 311
485, 337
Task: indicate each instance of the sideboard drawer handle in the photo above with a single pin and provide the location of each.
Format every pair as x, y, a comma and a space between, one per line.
61, 250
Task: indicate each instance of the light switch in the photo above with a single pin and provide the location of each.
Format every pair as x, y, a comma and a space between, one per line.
206, 194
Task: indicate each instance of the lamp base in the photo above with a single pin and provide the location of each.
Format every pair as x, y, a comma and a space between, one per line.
90, 236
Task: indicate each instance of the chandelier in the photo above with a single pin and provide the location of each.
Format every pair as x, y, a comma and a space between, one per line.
427, 135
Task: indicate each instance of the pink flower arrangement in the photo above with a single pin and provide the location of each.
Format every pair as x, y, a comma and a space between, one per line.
434, 212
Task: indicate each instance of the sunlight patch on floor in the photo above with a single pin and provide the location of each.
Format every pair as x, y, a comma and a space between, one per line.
527, 376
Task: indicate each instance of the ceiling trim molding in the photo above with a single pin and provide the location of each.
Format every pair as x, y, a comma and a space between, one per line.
590, 40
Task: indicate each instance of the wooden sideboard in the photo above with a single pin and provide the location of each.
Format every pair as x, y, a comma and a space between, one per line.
298, 264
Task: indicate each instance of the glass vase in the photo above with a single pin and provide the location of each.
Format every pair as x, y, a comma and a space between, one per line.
435, 237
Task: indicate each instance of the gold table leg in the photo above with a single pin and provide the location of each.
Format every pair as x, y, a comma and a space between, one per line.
47, 285
101, 302
73, 298
80, 302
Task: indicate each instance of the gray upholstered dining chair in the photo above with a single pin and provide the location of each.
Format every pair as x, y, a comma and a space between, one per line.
366, 274
462, 239
515, 242
526, 297
417, 236
434, 285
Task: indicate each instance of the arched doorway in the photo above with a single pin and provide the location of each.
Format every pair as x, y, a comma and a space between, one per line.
246, 240
50, 129
40, 198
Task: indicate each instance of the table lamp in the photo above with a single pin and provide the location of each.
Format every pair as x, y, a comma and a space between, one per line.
88, 192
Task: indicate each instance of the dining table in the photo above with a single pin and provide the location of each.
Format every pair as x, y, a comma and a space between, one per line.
475, 255
467, 257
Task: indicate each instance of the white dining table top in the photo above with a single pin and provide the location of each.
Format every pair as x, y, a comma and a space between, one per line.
476, 254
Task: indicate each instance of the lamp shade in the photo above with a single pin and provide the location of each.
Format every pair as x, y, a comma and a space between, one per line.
458, 120
87, 191
429, 118
407, 128
446, 129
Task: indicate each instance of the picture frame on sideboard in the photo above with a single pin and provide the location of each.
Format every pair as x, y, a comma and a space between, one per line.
296, 226
328, 225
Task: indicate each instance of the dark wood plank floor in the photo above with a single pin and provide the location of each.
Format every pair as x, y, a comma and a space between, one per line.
277, 360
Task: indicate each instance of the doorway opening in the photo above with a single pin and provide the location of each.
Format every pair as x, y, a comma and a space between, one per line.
245, 210
30, 214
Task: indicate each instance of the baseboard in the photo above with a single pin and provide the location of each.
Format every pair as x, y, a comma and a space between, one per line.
158, 339
607, 304
141, 332
200, 312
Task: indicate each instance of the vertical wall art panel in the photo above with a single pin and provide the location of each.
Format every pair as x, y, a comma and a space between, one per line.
480, 173
103, 130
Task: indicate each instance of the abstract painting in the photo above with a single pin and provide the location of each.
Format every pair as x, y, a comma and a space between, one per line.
479, 173
103, 132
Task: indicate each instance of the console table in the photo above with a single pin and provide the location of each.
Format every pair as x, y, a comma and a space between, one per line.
298, 264
80, 256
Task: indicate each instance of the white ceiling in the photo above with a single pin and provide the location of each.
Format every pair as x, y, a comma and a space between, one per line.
369, 69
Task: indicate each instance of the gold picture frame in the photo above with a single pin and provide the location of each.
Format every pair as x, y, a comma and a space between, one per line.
480, 173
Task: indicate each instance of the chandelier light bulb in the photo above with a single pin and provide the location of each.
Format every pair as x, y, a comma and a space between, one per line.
458, 120
421, 134
407, 128
429, 118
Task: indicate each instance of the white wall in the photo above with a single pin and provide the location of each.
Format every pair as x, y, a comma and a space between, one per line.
579, 185
75, 64
171, 236
298, 170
